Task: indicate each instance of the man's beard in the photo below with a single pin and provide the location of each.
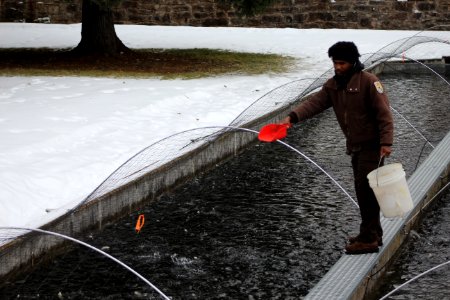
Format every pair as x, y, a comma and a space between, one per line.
343, 79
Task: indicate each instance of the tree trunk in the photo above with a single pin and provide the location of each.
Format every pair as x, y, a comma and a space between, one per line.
98, 35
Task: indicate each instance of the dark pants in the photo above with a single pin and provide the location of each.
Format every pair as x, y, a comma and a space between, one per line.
363, 162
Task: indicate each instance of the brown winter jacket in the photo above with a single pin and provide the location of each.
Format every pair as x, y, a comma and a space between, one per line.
362, 110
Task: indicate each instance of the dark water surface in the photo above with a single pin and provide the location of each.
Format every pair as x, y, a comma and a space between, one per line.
427, 247
264, 225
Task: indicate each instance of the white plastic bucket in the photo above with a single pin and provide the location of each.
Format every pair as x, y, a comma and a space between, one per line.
391, 190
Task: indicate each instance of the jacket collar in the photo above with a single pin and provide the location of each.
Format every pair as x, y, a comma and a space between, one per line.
354, 85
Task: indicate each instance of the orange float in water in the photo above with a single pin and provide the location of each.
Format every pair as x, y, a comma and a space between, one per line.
140, 223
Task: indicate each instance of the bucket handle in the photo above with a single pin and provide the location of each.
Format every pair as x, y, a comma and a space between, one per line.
379, 163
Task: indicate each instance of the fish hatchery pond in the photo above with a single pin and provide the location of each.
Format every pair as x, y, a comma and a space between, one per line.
266, 224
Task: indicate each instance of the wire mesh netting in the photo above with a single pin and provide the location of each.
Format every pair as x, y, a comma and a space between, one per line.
155, 156
8, 234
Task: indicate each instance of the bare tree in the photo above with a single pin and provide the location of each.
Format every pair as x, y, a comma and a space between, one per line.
98, 35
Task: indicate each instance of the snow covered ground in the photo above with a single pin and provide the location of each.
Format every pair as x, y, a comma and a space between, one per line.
62, 136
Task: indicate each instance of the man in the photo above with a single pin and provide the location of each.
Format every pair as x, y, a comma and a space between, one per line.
362, 110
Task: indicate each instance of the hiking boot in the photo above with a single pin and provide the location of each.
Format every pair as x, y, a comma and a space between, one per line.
352, 239
359, 247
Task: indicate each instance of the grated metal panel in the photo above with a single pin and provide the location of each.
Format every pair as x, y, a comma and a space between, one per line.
352, 271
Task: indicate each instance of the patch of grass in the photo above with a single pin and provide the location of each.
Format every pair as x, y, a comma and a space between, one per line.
142, 63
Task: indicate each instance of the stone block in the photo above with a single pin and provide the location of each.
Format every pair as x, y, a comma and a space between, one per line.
299, 18
340, 7
425, 6
403, 6
288, 19
73, 8
302, 2
365, 23
400, 16
376, 3
272, 19
200, 15
182, 18
181, 8
352, 17
218, 22
129, 4
221, 14
364, 8
163, 19
203, 8
320, 16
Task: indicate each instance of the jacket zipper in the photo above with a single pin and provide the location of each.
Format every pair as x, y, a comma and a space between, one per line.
344, 98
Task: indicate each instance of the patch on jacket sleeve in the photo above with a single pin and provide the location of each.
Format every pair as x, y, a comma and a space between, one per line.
379, 87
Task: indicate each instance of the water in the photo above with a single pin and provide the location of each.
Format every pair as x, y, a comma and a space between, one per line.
428, 247
264, 225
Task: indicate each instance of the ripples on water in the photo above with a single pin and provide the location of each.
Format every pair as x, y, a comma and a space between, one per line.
427, 247
264, 225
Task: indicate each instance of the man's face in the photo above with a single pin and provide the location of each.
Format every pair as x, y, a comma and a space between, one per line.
341, 67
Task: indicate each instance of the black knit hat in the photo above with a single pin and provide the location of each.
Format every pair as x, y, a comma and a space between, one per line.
346, 51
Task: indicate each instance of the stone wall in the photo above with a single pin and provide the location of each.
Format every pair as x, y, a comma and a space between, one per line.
369, 14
